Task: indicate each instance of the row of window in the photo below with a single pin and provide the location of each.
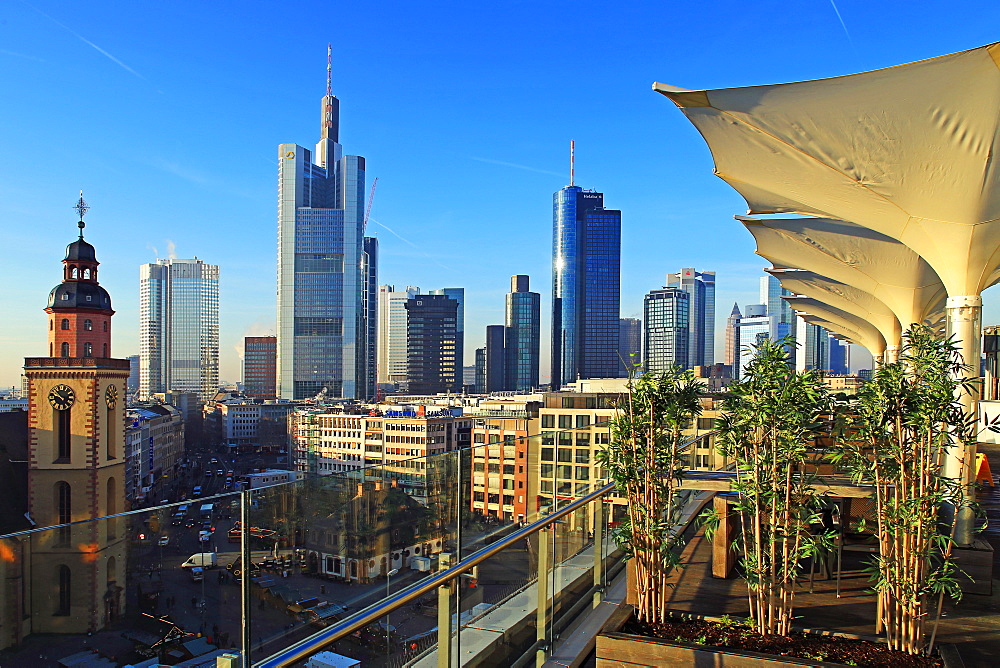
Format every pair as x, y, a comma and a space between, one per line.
88, 325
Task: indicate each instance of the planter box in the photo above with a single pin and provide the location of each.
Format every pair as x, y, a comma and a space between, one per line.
622, 650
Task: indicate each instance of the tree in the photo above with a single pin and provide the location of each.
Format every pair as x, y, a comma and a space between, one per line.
770, 421
907, 418
645, 461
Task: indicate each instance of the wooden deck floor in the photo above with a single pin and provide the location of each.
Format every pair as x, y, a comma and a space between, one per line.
973, 623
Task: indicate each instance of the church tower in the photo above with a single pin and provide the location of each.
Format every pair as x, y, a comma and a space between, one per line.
76, 455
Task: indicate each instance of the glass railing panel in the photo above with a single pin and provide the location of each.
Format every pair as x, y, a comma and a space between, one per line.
150, 584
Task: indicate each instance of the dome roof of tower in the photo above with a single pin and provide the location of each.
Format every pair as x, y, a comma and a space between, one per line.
79, 294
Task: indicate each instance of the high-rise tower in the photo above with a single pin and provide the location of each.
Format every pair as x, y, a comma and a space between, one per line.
391, 358
326, 270
700, 286
179, 328
732, 338
523, 335
666, 316
586, 286
76, 458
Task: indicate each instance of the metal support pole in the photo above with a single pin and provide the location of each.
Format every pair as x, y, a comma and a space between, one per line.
598, 551
965, 319
444, 625
245, 605
542, 589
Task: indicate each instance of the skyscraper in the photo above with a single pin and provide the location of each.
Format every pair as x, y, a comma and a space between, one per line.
391, 360
260, 358
458, 294
732, 339
495, 360
840, 357
771, 294
178, 328
369, 272
326, 268
665, 314
586, 286
629, 344
700, 286
432, 365
813, 350
523, 335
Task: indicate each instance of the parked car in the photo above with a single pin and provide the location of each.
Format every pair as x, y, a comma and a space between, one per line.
164, 541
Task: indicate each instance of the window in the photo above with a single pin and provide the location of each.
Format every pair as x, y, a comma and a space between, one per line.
565, 455
548, 421
706, 423
582, 421
105, 325
64, 510
478, 438
64, 325
546, 454
88, 325
65, 578
64, 349
565, 421
88, 350
63, 435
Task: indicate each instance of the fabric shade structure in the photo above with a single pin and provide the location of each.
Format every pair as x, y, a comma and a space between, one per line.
905, 151
844, 297
867, 334
865, 260
840, 331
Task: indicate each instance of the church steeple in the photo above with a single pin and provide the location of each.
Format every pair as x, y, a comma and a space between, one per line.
79, 308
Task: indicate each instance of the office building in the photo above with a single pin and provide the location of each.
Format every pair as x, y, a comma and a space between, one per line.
178, 328
732, 338
840, 357
666, 316
523, 336
458, 294
756, 326
771, 294
700, 286
132, 385
494, 360
369, 307
260, 359
431, 343
813, 350
391, 358
326, 269
586, 286
629, 344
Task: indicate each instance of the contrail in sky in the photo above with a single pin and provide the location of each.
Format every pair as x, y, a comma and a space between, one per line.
405, 240
841, 19
88, 42
516, 166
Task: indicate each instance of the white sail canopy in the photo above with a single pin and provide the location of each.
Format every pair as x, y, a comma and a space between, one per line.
907, 151
867, 334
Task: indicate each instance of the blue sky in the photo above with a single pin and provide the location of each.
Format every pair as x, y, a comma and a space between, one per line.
168, 116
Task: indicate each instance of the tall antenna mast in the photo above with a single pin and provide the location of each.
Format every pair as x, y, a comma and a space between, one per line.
572, 161
329, 68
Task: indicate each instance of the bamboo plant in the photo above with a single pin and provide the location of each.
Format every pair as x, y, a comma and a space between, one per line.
907, 418
769, 423
645, 460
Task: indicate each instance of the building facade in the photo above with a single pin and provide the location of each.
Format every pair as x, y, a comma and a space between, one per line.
391, 358
629, 344
732, 338
813, 351
700, 286
325, 274
432, 364
260, 364
586, 286
666, 316
178, 328
523, 335
154, 437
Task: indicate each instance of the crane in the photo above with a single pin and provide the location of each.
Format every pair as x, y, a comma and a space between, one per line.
368, 210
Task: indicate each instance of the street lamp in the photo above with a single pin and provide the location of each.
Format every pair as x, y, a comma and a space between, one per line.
387, 625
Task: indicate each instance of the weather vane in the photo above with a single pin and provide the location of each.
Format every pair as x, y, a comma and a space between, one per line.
81, 208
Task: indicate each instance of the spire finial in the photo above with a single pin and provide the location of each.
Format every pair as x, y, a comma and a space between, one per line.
572, 162
329, 68
81, 208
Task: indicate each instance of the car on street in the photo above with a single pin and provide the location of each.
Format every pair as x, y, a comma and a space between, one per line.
204, 535
164, 541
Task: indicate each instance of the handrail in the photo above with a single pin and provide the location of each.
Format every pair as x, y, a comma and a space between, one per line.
315, 643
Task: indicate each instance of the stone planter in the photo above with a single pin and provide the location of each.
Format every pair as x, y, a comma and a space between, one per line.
623, 650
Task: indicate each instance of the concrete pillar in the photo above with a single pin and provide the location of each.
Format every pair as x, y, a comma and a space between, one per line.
891, 354
965, 323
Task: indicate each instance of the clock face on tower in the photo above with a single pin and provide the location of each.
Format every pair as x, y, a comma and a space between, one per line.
111, 396
61, 397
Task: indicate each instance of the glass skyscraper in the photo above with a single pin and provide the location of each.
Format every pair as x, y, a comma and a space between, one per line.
700, 286
523, 342
666, 316
586, 286
178, 328
326, 269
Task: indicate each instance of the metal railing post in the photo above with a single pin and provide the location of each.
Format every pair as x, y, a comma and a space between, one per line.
247, 631
444, 625
542, 589
598, 551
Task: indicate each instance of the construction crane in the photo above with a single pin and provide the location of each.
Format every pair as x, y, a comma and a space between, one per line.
368, 210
